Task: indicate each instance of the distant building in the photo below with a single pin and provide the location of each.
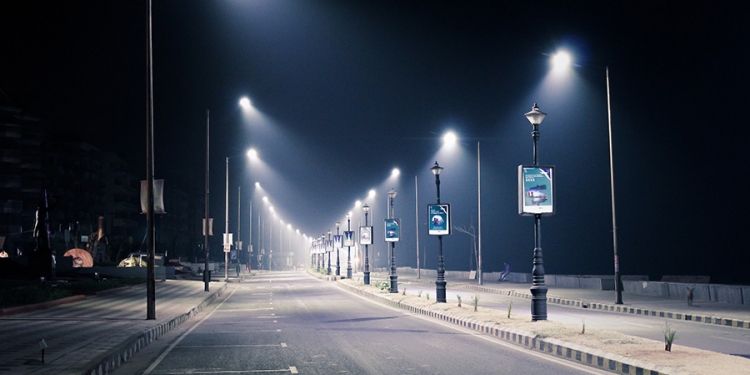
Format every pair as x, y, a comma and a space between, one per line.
83, 183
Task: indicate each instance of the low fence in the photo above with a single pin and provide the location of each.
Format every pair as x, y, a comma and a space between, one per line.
635, 284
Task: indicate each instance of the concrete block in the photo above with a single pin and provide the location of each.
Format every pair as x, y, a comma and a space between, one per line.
608, 283
592, 283
568, 281
745, 295
726, 293
651, 288
701, 292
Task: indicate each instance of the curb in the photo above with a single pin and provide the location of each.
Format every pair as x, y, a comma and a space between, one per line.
572, 352
108, 362
709, 319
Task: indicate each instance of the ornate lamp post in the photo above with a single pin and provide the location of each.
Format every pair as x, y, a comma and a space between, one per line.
338, 265
349, 248
328, 250
366, 209
394, 278
538, 289
440, 282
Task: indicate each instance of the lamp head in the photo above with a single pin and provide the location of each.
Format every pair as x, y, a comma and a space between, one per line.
436, 169
536, 116
366, 208
392, 194
337, 224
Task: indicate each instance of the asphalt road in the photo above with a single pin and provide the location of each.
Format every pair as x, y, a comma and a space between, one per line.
289, 322
717, 338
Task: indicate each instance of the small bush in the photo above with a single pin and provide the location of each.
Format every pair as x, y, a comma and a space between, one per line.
669, 336
475, 301
459, 300
510, 307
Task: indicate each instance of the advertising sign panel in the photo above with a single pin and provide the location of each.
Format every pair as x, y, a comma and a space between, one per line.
536, 190
348, 238
392, 230
440, 219
337, 241
365, 235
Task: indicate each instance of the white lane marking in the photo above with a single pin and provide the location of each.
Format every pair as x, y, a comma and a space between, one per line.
169, 349
735, 340
232, 346
293, 369
237, 371
638, 325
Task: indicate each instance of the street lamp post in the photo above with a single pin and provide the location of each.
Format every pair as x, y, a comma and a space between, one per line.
366, 209
349, 249
538, 289
328, 250
338, 265
618, 276
440, 282
206, 222
394, 277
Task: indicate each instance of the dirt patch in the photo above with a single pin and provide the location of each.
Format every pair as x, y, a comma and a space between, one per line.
681, 358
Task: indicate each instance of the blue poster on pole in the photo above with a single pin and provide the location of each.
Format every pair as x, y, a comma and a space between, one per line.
348, 238
440, 219
392, 230
337, 241
536, 190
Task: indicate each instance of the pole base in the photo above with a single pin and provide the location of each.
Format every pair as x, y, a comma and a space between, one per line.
349, 273
394, 284
367, 277
538, 302
440, 291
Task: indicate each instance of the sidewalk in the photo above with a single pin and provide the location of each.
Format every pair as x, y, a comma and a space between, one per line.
94, 335
733, 315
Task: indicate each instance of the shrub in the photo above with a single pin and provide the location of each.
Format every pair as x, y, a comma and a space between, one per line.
669, 336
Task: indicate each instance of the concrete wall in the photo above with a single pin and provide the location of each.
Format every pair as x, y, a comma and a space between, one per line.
635, 284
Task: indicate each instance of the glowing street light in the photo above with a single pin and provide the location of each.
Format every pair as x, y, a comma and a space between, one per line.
450, 139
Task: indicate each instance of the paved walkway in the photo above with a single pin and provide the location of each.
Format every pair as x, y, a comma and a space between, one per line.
94, 335
726, 314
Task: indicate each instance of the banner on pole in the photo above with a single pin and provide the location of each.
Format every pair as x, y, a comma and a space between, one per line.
392, 230
440, 219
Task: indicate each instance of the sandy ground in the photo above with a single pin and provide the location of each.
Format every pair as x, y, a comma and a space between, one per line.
681, 358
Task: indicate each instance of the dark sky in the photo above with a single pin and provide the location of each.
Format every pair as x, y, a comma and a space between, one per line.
350, 89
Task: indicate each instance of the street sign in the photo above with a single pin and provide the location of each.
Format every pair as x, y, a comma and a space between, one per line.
227, 248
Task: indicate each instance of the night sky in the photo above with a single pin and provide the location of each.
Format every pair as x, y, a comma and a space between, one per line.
347, 90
